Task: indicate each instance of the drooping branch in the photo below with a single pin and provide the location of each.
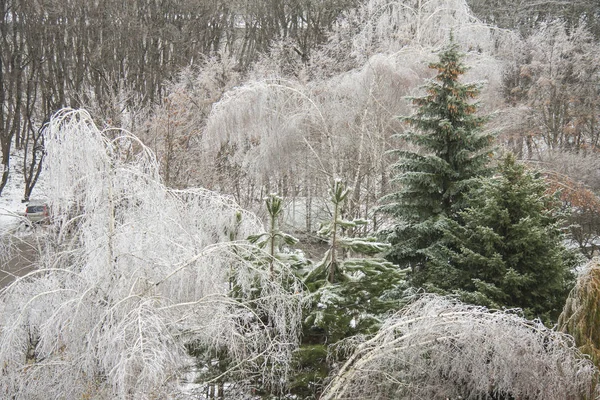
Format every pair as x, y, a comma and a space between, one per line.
133, 272
440, 348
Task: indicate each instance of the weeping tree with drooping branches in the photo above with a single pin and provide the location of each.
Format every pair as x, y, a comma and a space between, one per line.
131, 273
439, 348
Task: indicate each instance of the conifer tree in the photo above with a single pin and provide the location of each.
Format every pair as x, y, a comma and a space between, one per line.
272, 240
508, 250
349, 285
451, 152
350, 292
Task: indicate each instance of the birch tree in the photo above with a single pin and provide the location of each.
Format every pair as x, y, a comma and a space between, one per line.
293, 136
131, 273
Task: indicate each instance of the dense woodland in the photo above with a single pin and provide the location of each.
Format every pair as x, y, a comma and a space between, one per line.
304, 199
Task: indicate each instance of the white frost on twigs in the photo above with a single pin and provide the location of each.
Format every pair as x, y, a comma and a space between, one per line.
132, 272
439, 348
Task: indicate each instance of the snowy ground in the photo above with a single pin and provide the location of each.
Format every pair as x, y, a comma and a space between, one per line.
11, 207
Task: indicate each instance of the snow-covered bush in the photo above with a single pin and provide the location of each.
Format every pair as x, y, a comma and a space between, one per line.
131, 273
438, 348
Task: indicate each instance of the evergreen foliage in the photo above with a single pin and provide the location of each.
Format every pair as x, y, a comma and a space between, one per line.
508, 251
347, 294
350, 291
452, 151
272, 240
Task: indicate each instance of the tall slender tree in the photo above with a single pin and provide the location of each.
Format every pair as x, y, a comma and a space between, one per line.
447, 151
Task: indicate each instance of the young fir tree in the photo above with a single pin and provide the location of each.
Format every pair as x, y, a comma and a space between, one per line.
350, 291
452, 151
508, 250
272, 240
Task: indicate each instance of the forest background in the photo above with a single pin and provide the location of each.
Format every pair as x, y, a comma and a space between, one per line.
261, 97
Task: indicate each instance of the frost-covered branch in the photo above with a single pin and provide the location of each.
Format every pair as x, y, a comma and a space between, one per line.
133, 272
582, 311
438, 348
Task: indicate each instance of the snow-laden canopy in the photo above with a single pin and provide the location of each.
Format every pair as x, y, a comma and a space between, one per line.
131, 273
438, 348
334, 116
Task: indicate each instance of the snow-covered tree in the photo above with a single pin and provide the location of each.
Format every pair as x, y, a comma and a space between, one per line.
132, 272
524, 16
450, 150
174, 132
292, 136
549, 74
334, 116
438, 348
576, 178
380, 26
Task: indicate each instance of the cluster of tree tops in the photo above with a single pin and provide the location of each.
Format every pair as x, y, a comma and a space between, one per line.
111, 56
484, 230
461, 222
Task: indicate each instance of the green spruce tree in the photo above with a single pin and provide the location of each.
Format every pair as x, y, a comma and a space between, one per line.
451, 152
349, 292
508, 250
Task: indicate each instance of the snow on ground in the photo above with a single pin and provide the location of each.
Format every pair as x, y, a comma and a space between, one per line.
11, 207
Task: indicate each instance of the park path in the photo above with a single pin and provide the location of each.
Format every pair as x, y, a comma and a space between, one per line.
19, 260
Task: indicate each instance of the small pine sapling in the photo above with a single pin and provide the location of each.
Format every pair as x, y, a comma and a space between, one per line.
350, 290
272, 240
